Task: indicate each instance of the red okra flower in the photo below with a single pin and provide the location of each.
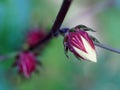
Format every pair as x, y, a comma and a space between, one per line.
80, 44
26, 63
35, 36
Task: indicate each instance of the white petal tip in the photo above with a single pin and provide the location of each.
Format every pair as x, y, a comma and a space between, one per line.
93, 60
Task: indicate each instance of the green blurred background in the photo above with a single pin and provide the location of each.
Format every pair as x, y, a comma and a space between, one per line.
59, 73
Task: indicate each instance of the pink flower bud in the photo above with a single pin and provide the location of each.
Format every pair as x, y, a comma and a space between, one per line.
35, 36
26, 63
80, 44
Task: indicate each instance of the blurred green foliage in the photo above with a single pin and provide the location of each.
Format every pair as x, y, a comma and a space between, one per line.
58, 73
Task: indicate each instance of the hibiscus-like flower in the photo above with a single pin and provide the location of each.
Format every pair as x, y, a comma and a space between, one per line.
80, 43
35, 36
26, 63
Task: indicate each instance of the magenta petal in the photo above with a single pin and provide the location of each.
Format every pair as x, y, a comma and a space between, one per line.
81, 45
26, 63
75, 40
87, 37
35, 36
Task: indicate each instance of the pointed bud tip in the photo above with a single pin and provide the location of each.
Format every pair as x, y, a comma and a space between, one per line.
94, 59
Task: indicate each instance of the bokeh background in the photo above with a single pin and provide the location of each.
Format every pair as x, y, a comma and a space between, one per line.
59, 73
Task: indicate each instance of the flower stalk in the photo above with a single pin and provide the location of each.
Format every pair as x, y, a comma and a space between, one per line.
58, 22
107, 47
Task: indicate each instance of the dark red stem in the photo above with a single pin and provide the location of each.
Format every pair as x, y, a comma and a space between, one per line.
58, 22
